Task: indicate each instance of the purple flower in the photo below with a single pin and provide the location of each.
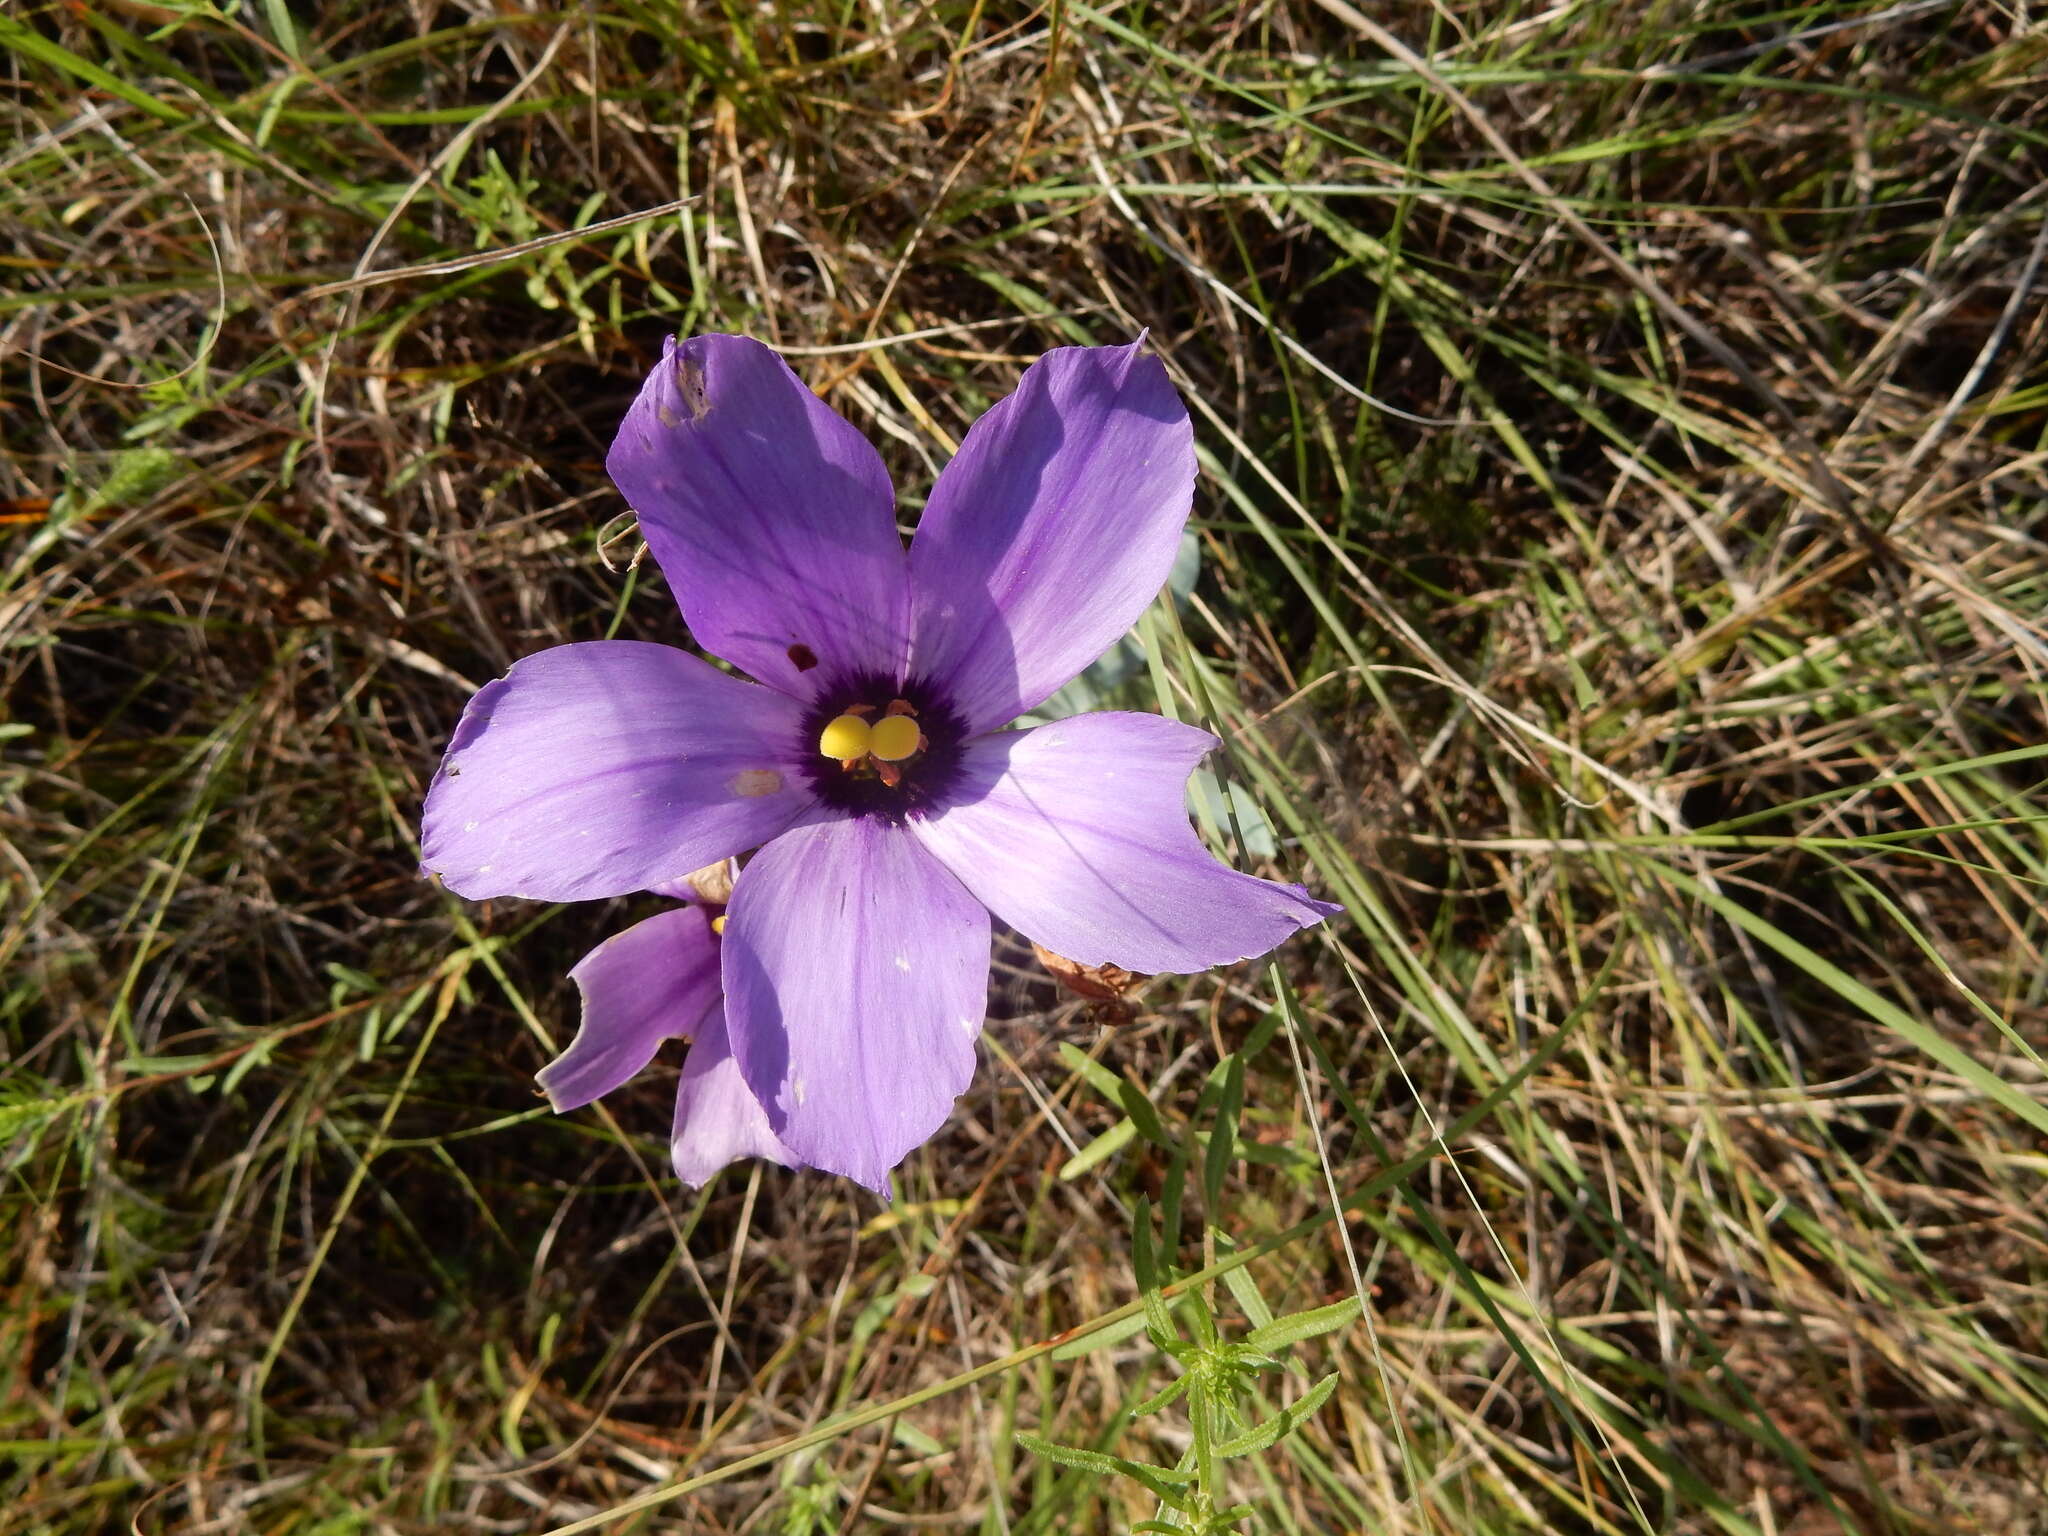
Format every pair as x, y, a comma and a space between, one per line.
868, 762
657, 979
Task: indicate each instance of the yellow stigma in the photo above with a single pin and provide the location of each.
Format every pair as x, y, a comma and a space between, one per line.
718, 923
847, 737
893, 738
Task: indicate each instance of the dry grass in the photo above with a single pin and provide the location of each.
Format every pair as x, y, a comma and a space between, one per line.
1681, 779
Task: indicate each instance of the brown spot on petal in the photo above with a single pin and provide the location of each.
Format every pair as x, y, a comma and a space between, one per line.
690, 385
753, 783
802, 657
712, 883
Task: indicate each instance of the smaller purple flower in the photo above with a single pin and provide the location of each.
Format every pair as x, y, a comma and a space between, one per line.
868, 762
659, 981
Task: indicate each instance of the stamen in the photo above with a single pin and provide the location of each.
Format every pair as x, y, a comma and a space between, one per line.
846, 739
893, 738
718, 923
888, 747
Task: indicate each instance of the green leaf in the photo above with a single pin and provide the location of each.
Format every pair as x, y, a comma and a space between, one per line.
1102, 1338
256, 1056
349, 980
155, 1064
135, 476
1222, 1148
1223, 807
1127, 1096
1164, 1482
283, 28
1245, 1290
1297, 1326
1285, 1422
34, 1114
1162, 1397
1101, 1149
1142, 1114
1145, 1262
1098, 1077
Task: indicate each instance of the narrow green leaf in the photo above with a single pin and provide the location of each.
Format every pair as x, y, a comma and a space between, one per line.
1145, 1264
1143, 1115
35, 1113
1100, 1150
1173, 1195
1102, 1338
1222, 1149
1161, 1398
1164, 1482
1245, 1291
1285, 1422
1297, 1326
1098, 1077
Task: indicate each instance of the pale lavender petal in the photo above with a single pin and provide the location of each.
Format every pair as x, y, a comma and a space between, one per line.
1051, 530
771, 516
718, 1119
641, 987
609, 767
856, 978
1076, 835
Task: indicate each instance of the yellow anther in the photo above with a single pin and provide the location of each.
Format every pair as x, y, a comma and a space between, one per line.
718, 923
846, 737
893, 738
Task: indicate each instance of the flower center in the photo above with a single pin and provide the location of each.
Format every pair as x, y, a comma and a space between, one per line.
878, 747
884, 748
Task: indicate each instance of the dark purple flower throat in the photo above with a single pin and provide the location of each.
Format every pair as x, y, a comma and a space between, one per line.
881, 750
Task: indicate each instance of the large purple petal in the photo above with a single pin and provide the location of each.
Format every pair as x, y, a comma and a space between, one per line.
718, 1119
1051, 530
856, 978
1076, 835
771, 516
649, 984
609, 767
